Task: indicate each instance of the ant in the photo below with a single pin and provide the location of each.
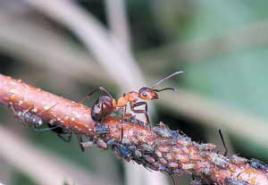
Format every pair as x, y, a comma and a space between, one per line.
106, 104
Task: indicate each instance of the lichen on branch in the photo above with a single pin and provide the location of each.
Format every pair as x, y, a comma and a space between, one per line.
159, 148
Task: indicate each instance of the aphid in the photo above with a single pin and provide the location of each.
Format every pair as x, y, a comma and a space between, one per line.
232, 181
137, 154
149, 159
165, 169
148, 149
122, 150
36, 121
238, 160
206, 147
28, 116
257, 164
106, 104
130, 118
163, 161
173, 165
101, 129
162, 130
219, 160
102, 144
86, 144
111, 142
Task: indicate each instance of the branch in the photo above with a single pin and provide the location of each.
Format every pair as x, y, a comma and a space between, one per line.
159, 149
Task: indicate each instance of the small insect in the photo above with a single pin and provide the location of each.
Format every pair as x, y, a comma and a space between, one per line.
31, 118
232, 181
106, 104
196, 181
257, 164
123, 150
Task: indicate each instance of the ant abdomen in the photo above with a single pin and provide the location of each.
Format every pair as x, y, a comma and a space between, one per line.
101, 108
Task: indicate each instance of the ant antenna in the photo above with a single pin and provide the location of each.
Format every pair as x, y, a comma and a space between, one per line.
164, 89
165, 78
223, 142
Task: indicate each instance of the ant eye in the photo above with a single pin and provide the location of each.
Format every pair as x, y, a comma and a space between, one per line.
144, 94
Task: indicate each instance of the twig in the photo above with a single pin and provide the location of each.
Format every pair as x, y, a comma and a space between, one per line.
246, 37
117, 18
37, 44
159, 149
104, 48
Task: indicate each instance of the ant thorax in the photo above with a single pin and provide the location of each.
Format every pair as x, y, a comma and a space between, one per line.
130, 97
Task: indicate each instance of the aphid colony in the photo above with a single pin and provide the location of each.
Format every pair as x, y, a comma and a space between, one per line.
150, 156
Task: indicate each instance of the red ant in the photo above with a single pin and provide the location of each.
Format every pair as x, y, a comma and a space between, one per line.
106, 104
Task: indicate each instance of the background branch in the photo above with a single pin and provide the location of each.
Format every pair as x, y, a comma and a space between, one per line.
160, 148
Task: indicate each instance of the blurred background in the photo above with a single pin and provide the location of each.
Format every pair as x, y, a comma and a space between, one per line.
70, 47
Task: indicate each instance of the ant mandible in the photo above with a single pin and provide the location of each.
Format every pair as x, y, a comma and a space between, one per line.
106, 104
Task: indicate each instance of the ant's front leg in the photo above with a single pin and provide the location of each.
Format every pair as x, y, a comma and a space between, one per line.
145, 111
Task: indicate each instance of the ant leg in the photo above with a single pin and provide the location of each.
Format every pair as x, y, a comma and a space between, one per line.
223, 142
105, 91
100, 88
45, 129
122, 134
68, 138
12, 108
173, 179
80, 140
141, 111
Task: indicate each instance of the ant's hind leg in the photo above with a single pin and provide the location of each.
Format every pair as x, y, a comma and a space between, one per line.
100, 88
68, 137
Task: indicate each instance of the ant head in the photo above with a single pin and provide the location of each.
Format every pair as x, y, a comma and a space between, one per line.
147, 93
